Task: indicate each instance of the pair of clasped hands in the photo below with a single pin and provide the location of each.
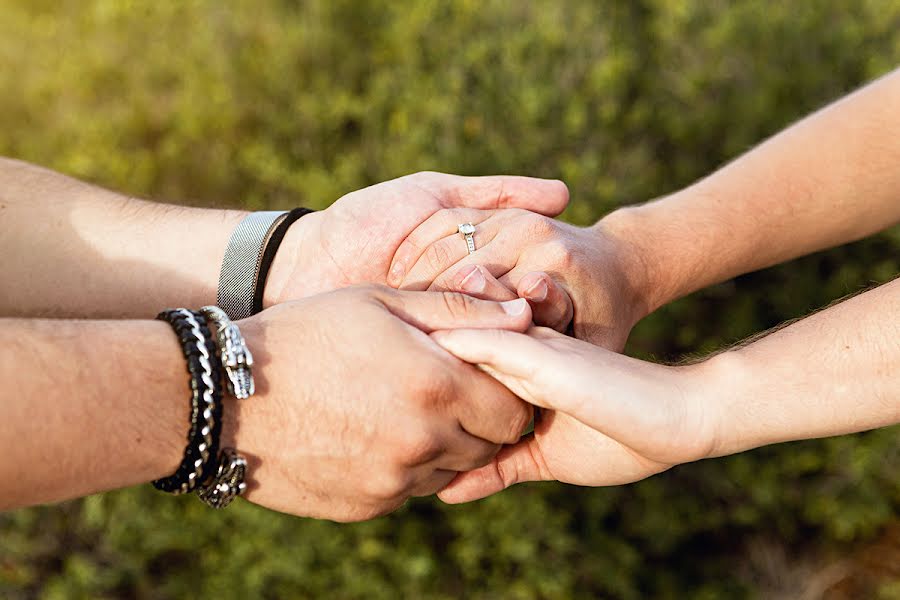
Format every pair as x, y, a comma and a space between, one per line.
410, 367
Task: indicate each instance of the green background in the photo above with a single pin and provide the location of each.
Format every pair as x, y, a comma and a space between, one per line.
275, 103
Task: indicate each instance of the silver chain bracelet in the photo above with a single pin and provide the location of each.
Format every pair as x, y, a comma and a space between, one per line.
237, 361
236, 357
228, 482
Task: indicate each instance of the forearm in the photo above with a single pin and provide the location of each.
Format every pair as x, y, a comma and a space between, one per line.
832, 373
88, 406
829, 179
76, 250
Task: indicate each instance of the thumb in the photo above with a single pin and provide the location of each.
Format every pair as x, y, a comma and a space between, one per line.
520, 362
431, 311
550, 303
545, 196
514, 464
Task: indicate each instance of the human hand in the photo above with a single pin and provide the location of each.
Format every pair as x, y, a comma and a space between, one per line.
354, 240
357, 409
592, 275
611, 419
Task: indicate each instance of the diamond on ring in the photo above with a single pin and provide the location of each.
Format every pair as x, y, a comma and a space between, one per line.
468, 232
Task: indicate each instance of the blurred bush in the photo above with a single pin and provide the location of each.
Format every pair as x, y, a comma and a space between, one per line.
275, 103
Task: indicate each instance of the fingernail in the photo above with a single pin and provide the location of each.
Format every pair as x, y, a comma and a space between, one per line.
514, 307
397, 272
537, 292
474, 282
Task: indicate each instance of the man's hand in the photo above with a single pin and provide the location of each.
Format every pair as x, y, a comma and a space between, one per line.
354, 240
111, 256
590, 275
357, 409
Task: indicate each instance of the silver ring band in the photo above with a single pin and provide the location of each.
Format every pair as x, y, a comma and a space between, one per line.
467, 230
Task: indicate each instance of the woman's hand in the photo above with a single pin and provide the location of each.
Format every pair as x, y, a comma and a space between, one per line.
609, 419
591, 277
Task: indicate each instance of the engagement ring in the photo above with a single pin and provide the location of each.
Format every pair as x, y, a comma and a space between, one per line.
468, 231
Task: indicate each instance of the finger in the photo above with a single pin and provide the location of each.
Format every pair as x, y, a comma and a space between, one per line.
442, 224
499, 256
464, 452
477, 281
485, 409
447, 252
551, 305
619, 396
545, 196
515, 360
514, 464
433, 483
446, 310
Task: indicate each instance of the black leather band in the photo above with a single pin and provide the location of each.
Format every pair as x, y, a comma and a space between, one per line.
269, 254
201, 452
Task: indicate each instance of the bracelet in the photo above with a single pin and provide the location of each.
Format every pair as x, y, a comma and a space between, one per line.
240, 265
228, 481
204, 367
247, 259
268, 256
233, 353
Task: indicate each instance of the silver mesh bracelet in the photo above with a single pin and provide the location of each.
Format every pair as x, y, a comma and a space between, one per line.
240, 266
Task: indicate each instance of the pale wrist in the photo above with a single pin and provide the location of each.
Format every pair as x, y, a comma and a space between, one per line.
658, 269
719, 390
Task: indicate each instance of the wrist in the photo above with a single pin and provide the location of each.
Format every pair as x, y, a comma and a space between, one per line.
158, 421
656, 270
619, 234
235, 433
295, 270
718, 390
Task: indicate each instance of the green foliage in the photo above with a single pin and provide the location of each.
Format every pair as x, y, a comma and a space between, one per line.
273, 103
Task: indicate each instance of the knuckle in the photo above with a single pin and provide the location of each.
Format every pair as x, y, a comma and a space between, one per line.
538, 226
368, 294
367, 512
518, 421
458, 305
484, 455
559, 253
434, 383
508, 473
412, 243
366, 290
390, 485
516, 214
437, 256
419, 448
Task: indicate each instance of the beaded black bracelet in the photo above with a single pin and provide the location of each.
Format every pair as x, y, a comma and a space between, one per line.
205, 370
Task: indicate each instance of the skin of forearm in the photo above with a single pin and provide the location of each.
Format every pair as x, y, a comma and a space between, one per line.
76, 250
88, 406
829, 179
834, 372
